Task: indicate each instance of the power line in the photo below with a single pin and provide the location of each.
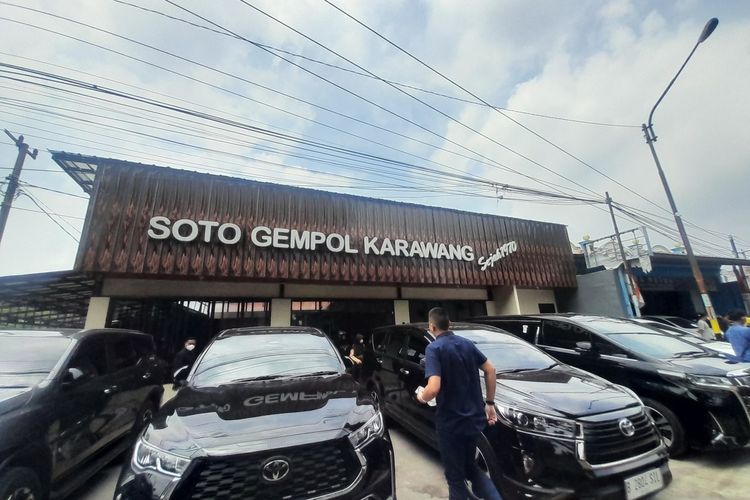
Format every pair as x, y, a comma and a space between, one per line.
360, 73
492, 162
34, 186
47, 213
475, 96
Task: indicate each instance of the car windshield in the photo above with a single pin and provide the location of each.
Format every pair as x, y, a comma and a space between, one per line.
507, 352
27, 360
244, 358
656, 345
682, 322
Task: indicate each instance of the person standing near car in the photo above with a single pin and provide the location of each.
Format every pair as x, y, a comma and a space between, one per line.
183, 361
357, 355
451, 369
739, 335
704, 328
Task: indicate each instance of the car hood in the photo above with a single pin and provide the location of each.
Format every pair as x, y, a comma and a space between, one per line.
708, 365
13, 398
562, 391
257, 416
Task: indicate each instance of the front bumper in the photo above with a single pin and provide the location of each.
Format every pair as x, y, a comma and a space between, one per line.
377, 481
558, 472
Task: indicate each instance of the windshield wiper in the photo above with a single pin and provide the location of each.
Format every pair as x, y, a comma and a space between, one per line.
257, 379
518, 370
317, 374
686, 354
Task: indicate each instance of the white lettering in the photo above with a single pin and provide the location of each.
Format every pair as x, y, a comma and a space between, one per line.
280, 237
300, 240
182, 223
261, 236
338, 240
500, 253
237, 236
443, 252
207, 225
402, 247
387, 246
429, 250
348, 247
254, 401
416, 249
370, 246
316, 238
159, 228
468, 253
455, 252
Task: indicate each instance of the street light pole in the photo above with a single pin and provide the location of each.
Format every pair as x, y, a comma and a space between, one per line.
648, 131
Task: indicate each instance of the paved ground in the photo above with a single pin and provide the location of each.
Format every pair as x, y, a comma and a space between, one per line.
700, 476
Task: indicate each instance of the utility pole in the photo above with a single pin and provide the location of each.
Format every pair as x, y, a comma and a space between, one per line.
739, 271
632, 285
10, 192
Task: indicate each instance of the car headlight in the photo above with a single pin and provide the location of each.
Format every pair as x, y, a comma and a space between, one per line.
533, 422
149, 457
370, 430
709, 381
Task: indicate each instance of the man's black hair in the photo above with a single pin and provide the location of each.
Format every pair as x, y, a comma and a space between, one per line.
737, 315
190, 339
439, 317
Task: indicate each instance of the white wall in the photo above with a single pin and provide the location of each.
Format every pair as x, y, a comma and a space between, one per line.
513, 300
401, 311
96, 317
281, 312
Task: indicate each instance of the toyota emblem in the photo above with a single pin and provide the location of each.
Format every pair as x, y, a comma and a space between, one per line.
627, 427
275, 469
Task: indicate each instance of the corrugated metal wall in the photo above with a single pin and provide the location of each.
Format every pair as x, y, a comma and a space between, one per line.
125, 197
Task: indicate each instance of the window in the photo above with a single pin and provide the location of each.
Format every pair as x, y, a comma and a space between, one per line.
396, 340
122, 354
416, 348
90, 359
607, 348
564, 335
547, 308
380, 339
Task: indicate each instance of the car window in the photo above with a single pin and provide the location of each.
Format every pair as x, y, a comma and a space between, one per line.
607, 348
380, 339
563, 335
144, 346
122, 354
396, 341
90, 358
266, 356
415, 349
506, 351
656, 345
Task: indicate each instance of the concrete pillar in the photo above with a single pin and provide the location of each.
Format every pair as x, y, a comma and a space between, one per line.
96, 317
401, 311
281, 312
491, 309
529, 299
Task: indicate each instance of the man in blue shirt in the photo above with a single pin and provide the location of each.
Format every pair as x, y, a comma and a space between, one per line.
452, 366
739, 335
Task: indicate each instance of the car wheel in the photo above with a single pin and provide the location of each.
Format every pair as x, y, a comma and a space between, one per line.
20, 483
670, 427
487, 463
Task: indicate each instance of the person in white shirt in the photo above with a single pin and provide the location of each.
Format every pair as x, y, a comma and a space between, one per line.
704, 328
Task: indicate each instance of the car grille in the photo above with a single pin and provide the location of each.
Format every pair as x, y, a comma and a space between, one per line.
604, 442
315, 470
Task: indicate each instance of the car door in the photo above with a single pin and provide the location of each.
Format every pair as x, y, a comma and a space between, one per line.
79, 429
615, 363
421, 416
559, 339
127, 390
388, 343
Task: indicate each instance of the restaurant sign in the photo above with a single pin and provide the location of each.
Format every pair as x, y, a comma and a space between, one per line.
188, 230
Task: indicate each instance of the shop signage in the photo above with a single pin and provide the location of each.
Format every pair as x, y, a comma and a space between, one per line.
187, 230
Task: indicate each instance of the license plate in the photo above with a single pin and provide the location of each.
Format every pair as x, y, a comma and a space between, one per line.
643, 484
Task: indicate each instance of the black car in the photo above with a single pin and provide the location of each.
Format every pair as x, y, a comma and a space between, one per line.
697, 397
70, 402
561, 432
265, 413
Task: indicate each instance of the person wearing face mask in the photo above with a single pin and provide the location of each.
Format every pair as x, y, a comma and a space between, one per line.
183, 361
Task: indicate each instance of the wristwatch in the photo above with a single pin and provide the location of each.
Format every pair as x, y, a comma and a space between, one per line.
489, 402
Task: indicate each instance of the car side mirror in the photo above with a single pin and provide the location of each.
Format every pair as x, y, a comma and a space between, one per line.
72, 377
584, 348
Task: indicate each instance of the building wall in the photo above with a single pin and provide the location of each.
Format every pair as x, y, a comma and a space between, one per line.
597, 293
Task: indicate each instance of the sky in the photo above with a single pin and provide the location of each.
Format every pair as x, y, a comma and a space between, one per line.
593, 61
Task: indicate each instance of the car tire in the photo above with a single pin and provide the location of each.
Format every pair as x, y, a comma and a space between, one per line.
20, 483
488, 464
670, 427
144, 417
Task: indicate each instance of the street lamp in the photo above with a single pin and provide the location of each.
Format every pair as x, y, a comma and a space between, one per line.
648, 131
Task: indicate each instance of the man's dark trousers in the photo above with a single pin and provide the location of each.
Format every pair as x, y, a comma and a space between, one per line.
458, 457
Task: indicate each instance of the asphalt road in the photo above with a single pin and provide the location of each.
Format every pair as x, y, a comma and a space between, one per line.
699, 476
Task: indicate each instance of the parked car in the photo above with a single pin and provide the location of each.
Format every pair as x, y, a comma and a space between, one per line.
265, 413
720, 347
70, 402
697, 397
677, 321
561, 432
